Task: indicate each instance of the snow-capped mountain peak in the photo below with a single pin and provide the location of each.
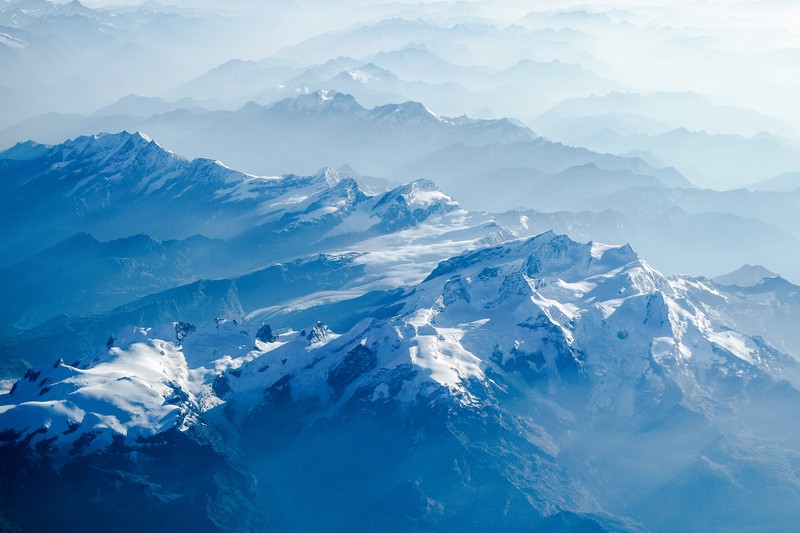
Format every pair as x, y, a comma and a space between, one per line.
421, 193
140, 389
332, 176
317, 102
107, 143
406, 113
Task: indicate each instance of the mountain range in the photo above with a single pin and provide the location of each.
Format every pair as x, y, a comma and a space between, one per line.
395, 141
94, 198
406, 141
403, 267
67, 57
468, 370
538, 383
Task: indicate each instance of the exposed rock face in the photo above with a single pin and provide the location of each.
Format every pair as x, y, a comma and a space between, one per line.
319, 333
358, 361
265, 334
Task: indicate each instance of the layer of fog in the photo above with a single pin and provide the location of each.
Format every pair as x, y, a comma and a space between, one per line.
706, 88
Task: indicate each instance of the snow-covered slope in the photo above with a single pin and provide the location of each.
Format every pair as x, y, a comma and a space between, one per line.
124, 188
561, 381
117, 185
764, 305
480, 309
103, 183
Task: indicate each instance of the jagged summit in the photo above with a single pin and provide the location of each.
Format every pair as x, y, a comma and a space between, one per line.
105, 141
367, 73
45, 7
548, 252
106, 185
421, 192
321, 101
407, 112
329, 101
24, 150
325, 103
123, 160
332, 176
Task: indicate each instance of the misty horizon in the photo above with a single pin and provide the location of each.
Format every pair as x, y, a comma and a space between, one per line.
446, 266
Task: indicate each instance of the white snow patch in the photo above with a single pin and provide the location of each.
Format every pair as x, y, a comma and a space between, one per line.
734, 343
598, 249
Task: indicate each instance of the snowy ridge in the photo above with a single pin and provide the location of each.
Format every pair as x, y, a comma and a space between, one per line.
136, 391
319, 102
407, 114
533, 373
546, 306
542, 360
147, 381
132, 161
108, 184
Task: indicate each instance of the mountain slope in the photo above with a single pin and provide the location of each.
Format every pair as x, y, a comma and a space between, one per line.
543, 382
664, 110
787, 182
565, 176
111, 185
717, 161
82, 185
746, 276
116, 185
55, 281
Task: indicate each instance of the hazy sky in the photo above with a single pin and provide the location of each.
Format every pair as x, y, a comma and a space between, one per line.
740, 52
783, 13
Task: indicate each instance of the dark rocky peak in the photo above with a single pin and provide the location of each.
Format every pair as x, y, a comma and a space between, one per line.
319, 333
